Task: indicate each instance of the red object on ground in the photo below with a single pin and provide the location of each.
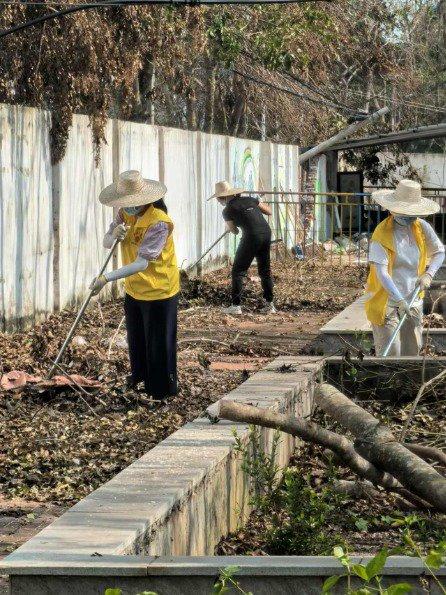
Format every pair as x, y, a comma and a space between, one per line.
18, 379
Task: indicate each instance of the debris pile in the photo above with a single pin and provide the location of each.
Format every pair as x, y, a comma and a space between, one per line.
62, 441
307, 284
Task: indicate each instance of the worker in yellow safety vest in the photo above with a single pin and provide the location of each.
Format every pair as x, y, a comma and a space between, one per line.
152, 282
405, 254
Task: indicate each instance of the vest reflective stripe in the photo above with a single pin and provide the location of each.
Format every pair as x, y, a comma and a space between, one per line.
161, 279
375, 306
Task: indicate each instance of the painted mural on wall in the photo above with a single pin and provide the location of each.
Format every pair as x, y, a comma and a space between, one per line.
244, 165
244, 162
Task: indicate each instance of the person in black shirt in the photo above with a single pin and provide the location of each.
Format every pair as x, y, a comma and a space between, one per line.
246, 213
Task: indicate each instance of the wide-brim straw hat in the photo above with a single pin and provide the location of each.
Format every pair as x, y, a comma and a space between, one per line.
406, 199
132, 190
224, 188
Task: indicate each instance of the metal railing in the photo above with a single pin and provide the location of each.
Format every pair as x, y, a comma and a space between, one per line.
333, 225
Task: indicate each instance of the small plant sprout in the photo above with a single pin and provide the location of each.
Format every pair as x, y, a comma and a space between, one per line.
226, 582
369, 574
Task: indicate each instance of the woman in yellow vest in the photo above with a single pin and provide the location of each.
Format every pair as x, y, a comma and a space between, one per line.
405, 254
151, 275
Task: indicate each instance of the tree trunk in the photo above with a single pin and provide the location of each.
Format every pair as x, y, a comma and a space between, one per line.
191, 110
263, 123
144, 90
368, 91
239, 108
376, 443
210, 102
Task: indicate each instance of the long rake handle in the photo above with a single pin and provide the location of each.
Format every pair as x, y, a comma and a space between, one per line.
401, 322
192, 266
80, 314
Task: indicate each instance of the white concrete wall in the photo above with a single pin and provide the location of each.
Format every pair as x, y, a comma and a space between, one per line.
26, 234
431, 167
51, 223
83, 221
138, 148
180, 175
213, 167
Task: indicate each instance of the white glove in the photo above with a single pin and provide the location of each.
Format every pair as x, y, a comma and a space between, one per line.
424, 281
97, 284
119, 232
403, 308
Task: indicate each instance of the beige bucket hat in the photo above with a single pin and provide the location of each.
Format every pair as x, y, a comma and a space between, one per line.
406, 199
132, 190
224, 188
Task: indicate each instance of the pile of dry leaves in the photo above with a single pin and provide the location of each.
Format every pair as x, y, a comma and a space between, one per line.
58, 443
313, 284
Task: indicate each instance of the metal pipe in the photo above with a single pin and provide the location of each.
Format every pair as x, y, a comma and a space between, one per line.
302, 193
401, 322
80, 315
326, 144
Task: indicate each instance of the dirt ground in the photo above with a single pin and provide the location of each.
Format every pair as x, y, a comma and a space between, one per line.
58, 445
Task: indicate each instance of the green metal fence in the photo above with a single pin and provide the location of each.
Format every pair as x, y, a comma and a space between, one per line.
333, 225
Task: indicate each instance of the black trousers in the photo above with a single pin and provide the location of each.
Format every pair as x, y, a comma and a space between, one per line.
250, 247
152, 338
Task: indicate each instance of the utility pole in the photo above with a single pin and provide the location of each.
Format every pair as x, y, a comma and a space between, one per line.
326, 144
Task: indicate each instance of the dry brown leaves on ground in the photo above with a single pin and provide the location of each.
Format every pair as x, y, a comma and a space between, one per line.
57, 445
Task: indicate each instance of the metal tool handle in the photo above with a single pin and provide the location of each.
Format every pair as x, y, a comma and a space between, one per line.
80, 314
401, 322
192, 266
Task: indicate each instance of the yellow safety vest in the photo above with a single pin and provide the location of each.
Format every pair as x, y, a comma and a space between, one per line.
160, 280
375, 306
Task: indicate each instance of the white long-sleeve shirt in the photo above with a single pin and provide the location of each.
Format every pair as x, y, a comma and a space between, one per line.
401, 283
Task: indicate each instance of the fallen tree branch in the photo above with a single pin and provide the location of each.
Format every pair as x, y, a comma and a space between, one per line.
376, 443
365, 489
315, 434
310, 432
428, 453
356, 489
420, 393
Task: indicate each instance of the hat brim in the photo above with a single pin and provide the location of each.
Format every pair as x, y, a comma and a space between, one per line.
151, 192
229, 192
386, 199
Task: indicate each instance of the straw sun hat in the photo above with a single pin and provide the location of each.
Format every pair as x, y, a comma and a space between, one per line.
132, 190
406, 199
225, 189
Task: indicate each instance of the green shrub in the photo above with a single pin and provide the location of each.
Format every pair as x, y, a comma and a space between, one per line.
303, 530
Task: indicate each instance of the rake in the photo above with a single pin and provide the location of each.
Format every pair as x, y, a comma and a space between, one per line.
401, 322
79, 316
